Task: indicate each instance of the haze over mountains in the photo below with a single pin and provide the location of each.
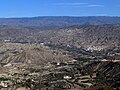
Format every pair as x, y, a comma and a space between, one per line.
59, 21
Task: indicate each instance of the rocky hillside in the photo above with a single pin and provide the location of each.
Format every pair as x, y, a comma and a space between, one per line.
107, 72
30, 54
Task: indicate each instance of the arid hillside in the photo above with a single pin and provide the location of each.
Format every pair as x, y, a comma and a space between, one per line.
30, 54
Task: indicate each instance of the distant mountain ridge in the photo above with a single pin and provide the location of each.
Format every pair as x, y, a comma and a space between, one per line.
59, 21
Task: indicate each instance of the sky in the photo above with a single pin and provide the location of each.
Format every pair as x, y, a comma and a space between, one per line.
32, 8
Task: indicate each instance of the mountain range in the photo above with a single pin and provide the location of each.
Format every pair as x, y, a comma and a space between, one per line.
58, 21
89, 32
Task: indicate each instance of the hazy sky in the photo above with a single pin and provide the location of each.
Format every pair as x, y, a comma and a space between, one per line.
28, 8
